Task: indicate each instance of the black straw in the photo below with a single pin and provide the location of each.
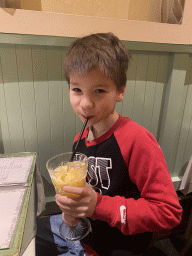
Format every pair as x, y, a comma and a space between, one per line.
75, 150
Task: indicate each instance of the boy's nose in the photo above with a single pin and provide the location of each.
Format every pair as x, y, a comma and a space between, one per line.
86, 102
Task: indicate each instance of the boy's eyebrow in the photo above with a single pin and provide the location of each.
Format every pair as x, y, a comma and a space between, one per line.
74, 83
96, 85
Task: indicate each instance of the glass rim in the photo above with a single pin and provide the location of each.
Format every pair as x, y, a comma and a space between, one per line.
64, 154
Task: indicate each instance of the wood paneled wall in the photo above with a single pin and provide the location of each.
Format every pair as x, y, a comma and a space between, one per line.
36, 115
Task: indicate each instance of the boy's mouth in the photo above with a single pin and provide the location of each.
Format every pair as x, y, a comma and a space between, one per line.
85, 117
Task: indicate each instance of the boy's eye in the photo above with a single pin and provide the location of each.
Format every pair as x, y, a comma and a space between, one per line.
76, 90
100, 91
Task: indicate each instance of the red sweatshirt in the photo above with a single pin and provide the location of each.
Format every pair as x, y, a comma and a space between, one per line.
135, 192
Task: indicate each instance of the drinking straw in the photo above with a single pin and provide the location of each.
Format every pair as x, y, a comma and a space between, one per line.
83, 128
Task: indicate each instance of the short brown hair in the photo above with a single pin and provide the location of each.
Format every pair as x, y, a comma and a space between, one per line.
102, 50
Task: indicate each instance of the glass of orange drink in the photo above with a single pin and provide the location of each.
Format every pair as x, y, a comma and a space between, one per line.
64, 172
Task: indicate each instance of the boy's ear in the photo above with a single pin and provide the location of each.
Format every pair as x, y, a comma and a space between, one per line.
121, 94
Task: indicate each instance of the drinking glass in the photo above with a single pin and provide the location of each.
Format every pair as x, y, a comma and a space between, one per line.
64, 172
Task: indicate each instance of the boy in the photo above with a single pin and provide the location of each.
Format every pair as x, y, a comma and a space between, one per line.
129, 193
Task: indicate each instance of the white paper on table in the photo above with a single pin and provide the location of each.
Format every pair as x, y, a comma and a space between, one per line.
15, 170
186, 183
11, 199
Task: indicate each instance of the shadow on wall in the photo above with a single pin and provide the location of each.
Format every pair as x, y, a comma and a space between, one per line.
26, 4
1, 141
48, 188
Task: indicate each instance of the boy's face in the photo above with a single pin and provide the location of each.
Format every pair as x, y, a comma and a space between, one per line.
94, 95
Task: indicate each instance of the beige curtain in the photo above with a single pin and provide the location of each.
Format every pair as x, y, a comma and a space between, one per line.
172, 11
166, 11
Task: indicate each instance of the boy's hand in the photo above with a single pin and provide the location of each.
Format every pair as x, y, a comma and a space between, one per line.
78, 207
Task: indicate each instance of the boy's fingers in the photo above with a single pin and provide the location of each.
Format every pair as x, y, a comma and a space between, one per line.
75, 190
81, 191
